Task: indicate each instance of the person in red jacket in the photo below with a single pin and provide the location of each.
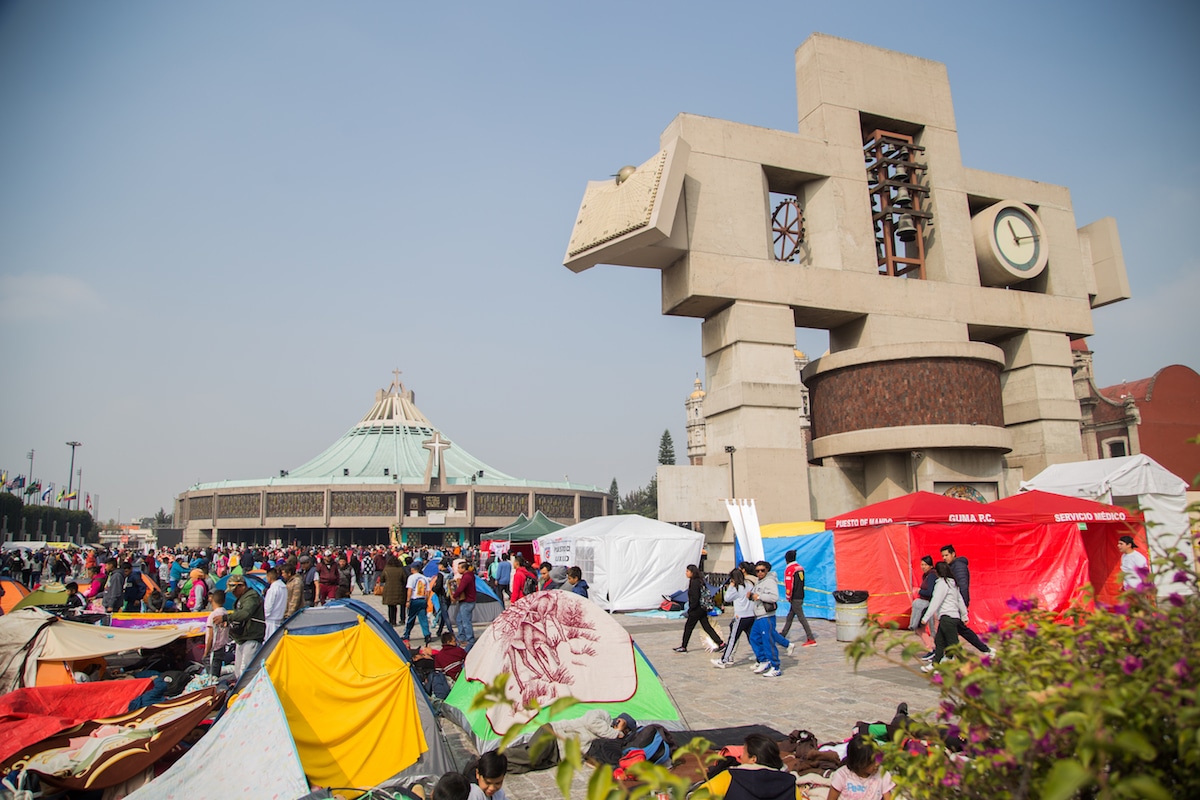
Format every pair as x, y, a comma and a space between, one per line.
521, 574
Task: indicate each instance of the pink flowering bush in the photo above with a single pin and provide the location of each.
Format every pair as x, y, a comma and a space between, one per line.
1086, 704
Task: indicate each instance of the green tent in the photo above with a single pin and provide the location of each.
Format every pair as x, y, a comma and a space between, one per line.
526, 530
555, 644
49, 594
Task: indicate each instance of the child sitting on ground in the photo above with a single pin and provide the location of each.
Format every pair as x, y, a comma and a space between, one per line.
860, 778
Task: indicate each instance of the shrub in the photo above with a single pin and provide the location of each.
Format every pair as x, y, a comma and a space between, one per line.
1087, 704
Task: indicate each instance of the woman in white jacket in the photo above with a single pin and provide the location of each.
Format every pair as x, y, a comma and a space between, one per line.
738, 592
946, 605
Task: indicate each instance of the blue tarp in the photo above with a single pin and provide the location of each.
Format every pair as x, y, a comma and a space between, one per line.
814, 551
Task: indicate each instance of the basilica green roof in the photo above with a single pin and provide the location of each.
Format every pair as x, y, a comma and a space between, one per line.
394, 443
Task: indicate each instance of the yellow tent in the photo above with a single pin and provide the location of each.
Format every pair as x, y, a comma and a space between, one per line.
350, 703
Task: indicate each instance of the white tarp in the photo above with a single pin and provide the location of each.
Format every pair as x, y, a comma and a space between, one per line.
629, 561
744, 517
1161, 497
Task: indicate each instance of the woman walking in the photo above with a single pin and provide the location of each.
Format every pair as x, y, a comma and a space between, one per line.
738, 590
947, 607
696, 612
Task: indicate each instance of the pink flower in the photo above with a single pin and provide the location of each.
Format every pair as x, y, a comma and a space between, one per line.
1181, 669
1175, 599
973, 690
1180, 577
1131, 664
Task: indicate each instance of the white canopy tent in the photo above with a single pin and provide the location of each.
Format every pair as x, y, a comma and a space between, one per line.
629, 562
1160, 495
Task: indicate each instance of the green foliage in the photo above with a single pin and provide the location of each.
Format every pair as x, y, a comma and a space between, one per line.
614, 494
1084, 704
643, 500
666, 449
11, 507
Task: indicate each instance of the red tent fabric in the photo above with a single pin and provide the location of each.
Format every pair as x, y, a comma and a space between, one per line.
1007, 560
1099, 525
879, 547
912, 508
31, 714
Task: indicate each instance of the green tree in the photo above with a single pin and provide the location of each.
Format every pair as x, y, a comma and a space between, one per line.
163, 519
11, 509
666, 449
614, 495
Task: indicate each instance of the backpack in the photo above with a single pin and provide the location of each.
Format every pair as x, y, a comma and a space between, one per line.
529, 586
706, 598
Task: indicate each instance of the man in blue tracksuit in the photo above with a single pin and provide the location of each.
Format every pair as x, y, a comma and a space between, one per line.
762, 632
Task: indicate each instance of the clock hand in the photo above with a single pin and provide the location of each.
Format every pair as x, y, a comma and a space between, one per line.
1013, 231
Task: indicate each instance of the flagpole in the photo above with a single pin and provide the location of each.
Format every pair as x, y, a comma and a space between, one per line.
31, 466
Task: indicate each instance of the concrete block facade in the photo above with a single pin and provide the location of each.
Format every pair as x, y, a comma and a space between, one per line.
934, 376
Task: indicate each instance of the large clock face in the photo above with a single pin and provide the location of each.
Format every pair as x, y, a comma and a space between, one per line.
1010, 243
1017, 238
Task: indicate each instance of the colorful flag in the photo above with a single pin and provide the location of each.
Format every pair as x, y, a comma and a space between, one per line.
4, 477
89, 503
34, 487
61, 494
46, 495
18, 482
71, 496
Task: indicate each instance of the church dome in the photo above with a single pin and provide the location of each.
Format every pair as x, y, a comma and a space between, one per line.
699, 392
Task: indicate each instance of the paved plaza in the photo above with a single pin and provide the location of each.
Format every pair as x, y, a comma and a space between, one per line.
819, 691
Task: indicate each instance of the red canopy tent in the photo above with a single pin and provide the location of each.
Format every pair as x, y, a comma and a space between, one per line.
878, 548
912, 508
1099, 526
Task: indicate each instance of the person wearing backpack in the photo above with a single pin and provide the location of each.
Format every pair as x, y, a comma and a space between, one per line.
418, 599
522, 578
699, 604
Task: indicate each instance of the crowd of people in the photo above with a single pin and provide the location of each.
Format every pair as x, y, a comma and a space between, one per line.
442, 602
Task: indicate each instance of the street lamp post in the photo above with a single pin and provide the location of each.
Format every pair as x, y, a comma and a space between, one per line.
732, 486
71, 474
30, 457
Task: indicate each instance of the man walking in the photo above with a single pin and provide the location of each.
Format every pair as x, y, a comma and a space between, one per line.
762, 632
961, 571
793, 584
464, 595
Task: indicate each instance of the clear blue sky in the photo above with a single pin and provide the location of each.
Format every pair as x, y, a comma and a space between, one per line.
223, 224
